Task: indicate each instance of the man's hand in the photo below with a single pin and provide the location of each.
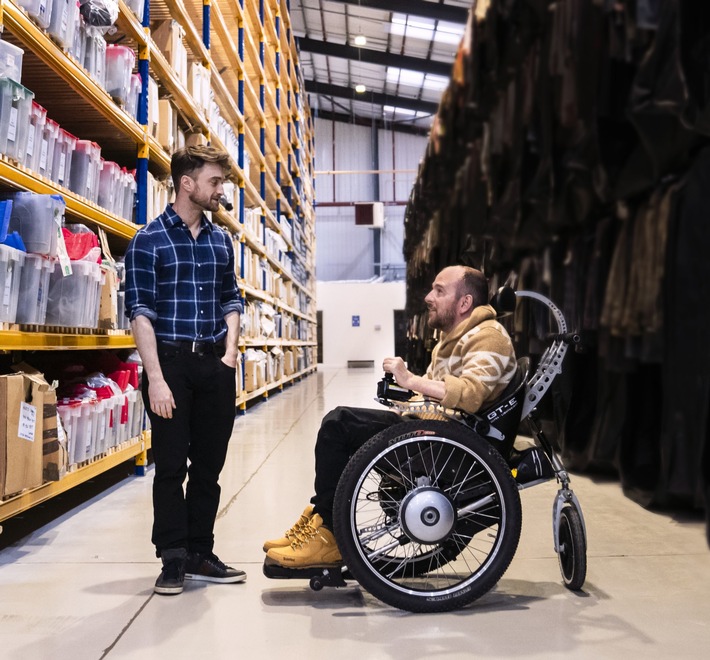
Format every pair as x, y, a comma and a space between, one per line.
397, 367
230, 359
161, 399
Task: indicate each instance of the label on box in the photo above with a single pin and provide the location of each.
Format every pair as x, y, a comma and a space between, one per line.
62, 166
28, 421
12, 129
31, 142
43, 155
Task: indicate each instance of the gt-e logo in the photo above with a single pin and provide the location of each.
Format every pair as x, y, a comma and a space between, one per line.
501, 410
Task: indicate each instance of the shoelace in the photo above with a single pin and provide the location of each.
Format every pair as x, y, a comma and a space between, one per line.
305, 535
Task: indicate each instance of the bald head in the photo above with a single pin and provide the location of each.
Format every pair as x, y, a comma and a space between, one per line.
456, 291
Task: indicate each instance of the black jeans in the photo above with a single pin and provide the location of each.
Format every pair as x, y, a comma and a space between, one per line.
342, 432
204, 389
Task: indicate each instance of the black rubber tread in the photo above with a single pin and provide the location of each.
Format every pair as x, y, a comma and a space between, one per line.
498, 542
573, 548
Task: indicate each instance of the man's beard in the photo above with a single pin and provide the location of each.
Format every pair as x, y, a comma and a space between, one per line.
205, 202
442, 320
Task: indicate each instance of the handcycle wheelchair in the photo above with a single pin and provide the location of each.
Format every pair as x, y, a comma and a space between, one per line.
427, 514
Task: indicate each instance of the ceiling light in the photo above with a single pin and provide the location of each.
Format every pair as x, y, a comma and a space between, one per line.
360, 40
360, 89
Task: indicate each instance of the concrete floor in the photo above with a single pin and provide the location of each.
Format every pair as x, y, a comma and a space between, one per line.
81, 586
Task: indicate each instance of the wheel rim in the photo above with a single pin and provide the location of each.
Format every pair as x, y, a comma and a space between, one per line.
450, 523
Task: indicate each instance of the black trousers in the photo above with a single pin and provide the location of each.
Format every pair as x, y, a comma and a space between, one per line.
204, 389
342, 432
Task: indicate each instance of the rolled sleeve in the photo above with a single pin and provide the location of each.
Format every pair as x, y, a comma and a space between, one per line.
141, 284
230, 299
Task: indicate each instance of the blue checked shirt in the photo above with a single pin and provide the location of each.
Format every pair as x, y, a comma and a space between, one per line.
184, 286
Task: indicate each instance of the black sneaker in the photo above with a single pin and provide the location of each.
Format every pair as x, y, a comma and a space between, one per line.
208, 568
171, 578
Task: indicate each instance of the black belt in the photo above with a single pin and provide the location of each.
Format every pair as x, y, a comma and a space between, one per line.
197, 347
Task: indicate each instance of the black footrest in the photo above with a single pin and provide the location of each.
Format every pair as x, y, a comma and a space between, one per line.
332, 576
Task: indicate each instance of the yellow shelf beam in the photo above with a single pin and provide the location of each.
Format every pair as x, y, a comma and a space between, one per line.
27, 499
15, 340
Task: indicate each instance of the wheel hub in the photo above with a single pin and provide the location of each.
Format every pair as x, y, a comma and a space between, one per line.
427, 515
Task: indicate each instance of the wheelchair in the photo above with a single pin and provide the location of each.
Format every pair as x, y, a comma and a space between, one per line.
427, 513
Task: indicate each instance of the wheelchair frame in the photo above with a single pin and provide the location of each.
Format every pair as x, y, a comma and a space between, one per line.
569, 529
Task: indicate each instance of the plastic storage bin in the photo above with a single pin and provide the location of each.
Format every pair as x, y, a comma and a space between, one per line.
94, 59
40, 10
11, 61
11, 262
34, 289
44, 151
38, 118
137, 7
74, 299
134, 94
15, 110
85, 169
64, 147
64, 21
120, 61
37, 218
110, 185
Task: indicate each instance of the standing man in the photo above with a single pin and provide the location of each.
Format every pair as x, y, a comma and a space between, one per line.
471, 366
184, 306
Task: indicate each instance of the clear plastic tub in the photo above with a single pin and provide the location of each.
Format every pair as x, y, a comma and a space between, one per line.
34, 289
44, 151
39, 10
64, 21
38, 118
64, 147
11, 61
137, 7
110, 184
85, 169
128, 194
134, 95
37, 219
69, 412
120, 61
11, 262
74, 299
15, 111
95, 56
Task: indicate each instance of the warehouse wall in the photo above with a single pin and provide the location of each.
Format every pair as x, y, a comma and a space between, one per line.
371, 335
346, 251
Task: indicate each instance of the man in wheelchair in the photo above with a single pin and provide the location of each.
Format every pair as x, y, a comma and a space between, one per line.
471, 366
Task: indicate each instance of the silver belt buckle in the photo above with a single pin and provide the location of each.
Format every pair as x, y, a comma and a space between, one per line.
194, 346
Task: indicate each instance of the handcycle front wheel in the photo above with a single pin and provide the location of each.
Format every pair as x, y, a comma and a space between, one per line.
446, 534
572, 552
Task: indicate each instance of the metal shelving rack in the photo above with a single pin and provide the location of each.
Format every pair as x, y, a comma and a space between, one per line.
227, 36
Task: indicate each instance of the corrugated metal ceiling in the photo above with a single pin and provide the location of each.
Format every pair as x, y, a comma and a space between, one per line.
404, 64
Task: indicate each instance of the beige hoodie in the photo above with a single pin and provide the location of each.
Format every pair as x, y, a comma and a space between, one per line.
475, 360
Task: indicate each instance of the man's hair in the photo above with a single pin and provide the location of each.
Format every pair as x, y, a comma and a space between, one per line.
190, 159
473, 282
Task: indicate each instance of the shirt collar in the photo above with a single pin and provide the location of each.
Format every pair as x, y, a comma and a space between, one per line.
172, 219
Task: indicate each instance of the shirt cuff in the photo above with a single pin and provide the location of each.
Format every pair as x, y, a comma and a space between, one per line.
144, 311
231, 307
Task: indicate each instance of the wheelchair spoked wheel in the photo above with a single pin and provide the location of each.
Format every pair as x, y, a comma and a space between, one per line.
427, 516
572, 554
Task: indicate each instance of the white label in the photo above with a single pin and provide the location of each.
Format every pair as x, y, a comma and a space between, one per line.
62, 165
7, 289
65, 20
60, 431
28, 421
12, 130
43, 155
64, 261
31, 142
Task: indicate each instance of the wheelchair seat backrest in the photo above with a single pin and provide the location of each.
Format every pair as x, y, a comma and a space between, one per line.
498, 422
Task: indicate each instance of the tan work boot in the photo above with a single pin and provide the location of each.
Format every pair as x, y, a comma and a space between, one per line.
314, 547
290, 534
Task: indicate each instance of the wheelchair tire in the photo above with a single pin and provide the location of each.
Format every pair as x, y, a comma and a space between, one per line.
449, 534
572, 554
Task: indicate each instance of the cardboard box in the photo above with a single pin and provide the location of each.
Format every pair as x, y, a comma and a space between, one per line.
251, 368
21, 417
108, 305
55, 456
